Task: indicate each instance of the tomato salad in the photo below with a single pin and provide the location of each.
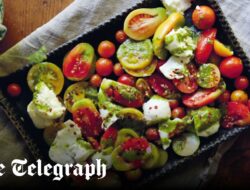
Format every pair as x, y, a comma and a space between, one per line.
161, 88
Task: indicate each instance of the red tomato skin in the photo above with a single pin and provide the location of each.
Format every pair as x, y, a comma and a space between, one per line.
152, 134
178, 112
203, 17
241, 83
127, 80
120, 36
106, 49
104, 67
96, 80
14, 90
201, 98
231, 67
205, 45
237, 109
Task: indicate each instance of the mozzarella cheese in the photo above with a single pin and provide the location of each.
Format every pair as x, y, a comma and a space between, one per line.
68, 146
177, 5
173, 68
45, 110
155, 110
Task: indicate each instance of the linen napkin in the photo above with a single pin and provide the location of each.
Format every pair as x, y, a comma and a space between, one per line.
82, 16
3, 29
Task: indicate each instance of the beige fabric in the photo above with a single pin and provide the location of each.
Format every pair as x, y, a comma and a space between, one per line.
79, 17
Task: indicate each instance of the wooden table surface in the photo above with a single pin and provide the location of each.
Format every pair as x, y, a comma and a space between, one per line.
24, 16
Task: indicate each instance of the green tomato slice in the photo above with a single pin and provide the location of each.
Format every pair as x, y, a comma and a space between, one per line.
118, 162
131, 113
152, 160
208, 76
48, 73
125, 134
135, 55
145, 72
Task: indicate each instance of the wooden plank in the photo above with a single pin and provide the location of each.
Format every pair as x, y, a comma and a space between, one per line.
24, 16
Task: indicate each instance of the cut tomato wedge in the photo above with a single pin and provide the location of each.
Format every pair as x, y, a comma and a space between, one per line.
201, 98
205, 45
163, 86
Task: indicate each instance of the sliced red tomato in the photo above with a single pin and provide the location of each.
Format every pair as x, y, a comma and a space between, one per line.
79, 63
188, 84
237, 114
163, 86
201, 98
86, 116
135, 102
205, 45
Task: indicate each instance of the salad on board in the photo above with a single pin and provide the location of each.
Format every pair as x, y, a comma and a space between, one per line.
162, 88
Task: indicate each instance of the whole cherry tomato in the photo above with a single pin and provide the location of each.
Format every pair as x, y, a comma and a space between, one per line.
239, 96
203, 17
152, 134
96, 80
173, 103
118, 70
225, 97
14, 89
127, 79
104, 67
106, 49
231, 67
120, 36
241, 83
178, 112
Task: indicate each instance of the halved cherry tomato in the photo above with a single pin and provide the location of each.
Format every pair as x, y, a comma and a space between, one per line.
203, 17
143, 86
188, 84
106, 49
202, 97
127, 79
205, 45
14, 89
162, 86
120, 36
231, 67
241, 83
118, 70
79, 62
104, 67
208, 76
